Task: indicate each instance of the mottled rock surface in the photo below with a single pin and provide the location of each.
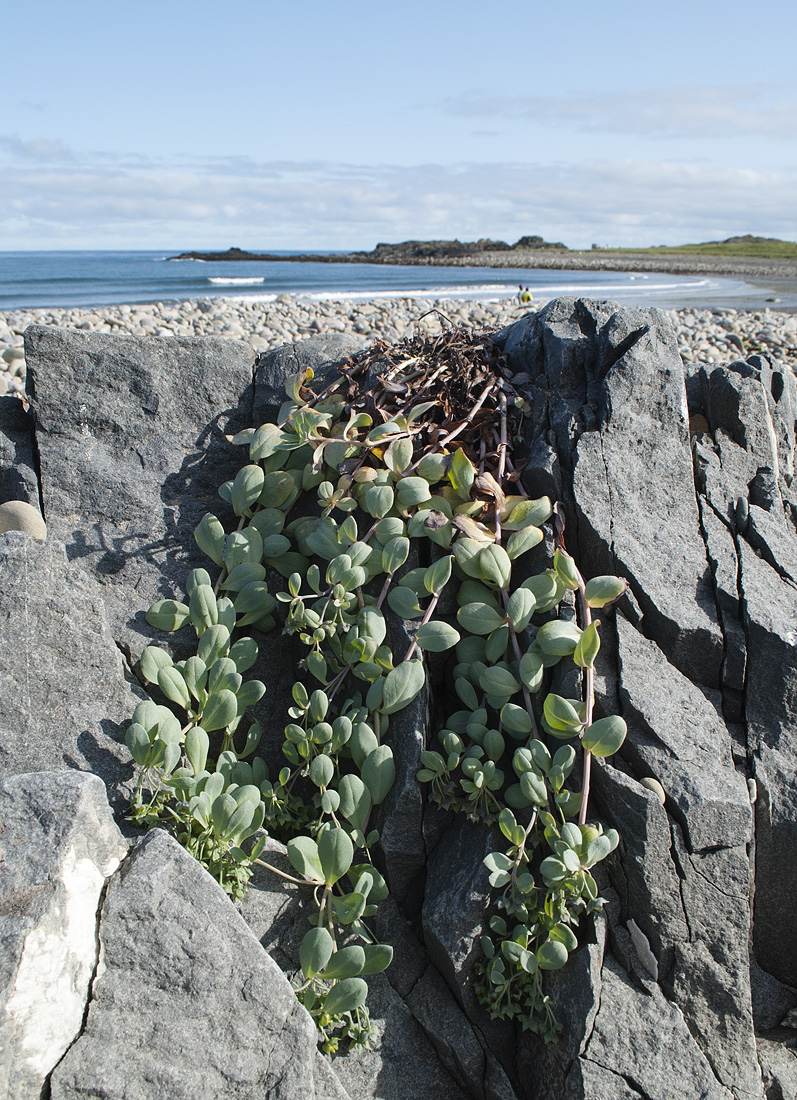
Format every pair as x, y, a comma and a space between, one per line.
132, 451
18, 478
66, 701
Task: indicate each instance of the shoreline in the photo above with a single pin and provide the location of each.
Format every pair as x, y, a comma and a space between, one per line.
713, 335
542, 259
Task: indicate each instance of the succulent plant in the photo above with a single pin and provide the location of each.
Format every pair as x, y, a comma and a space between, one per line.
409, 447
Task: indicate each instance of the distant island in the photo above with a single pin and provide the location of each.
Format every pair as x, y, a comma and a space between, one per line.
742, 255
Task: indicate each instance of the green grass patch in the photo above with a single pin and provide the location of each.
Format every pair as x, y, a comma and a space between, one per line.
764, 248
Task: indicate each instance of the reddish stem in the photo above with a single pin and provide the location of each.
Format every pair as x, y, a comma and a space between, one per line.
589, 692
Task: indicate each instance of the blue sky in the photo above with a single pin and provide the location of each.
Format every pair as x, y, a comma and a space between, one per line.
318, 125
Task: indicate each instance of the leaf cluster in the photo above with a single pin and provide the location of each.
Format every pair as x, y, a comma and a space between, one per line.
368, 497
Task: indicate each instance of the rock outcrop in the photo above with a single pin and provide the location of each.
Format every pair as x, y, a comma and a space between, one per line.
685, 988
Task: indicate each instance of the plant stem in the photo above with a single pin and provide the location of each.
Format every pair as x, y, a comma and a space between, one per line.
440, 443
503, 443
589, 692
518, 658
385, 589
290, 878
323, 905
427, 616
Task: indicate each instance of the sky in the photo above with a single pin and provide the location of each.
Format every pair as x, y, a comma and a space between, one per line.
282, 125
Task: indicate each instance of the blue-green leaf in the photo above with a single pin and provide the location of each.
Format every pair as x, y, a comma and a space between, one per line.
604, 737
315, 951
345, 996
379, 772
401, 685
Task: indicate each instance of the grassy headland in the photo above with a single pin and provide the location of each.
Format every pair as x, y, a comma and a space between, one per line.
753, 257
763, 248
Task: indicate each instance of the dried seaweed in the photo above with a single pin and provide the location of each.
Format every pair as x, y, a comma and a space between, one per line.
463, 371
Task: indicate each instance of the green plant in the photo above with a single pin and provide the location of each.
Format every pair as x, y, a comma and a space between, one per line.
406, 462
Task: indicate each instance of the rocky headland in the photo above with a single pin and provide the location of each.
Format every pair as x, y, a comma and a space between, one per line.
533, 252
127, 972
405, 252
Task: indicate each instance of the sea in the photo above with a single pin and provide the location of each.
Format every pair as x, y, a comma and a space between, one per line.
30, 280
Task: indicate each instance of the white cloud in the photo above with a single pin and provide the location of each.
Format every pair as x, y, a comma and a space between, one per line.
217, 203
678, 112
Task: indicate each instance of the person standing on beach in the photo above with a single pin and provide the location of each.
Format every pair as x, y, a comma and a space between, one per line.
525, 296
520, 295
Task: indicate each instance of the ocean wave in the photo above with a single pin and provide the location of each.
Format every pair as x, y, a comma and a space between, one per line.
496, 291
245, 280
262, 298
585, 289
460, 292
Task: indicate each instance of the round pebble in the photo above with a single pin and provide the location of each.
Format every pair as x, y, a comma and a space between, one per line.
18, 515
703, 336
654, 787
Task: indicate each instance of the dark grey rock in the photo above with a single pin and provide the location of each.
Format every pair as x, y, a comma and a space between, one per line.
587, 1079
636, 521
711, 976
643, 874
18, 478
409, 955
457, 896
771, 624
724, 472
676, 736
186, 1002
779, 1068
454, 910
277, 910
771, 999
765, 491
131, 440
775, 540
721, 549
58, 846
691, 901
739, 405
66, 701
399, 818
322, 354
642, 1041
450, 1032
609, 384
780, 387
403, 1061
575, 993
497, 1085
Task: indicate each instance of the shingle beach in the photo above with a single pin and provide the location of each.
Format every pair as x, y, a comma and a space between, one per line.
718, 335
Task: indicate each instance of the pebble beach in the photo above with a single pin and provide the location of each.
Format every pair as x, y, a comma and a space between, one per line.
718, 335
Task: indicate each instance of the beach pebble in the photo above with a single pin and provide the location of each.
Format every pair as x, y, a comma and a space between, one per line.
18, 515
704, 336
654, 787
